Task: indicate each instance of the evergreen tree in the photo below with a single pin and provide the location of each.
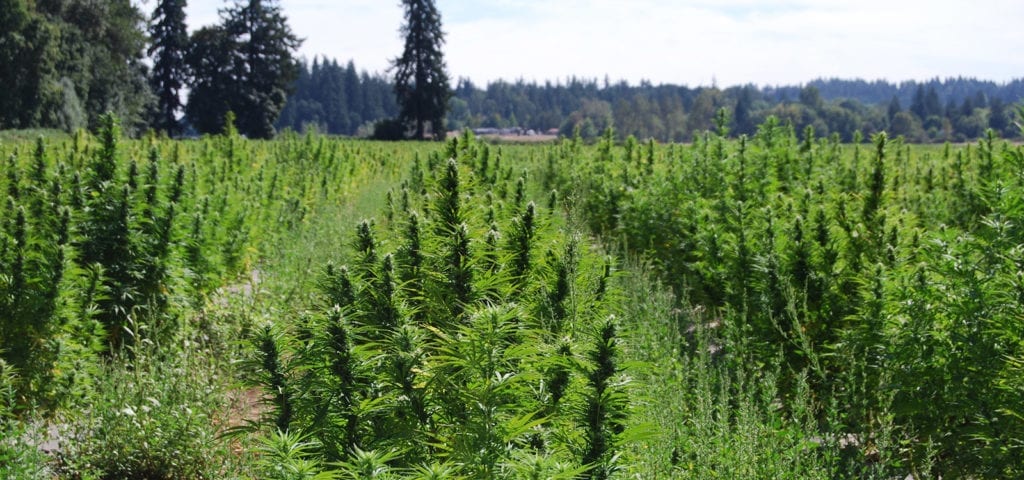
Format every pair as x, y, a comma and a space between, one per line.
332, 89
246, 65
421, 83
997, 119
209, 60
918, 106
169, 44
932, 104
296, 111
376, 96
950, 111
745, 124
894, 108
810, 96
980, 99
354, 94
336, 99
663, 112
264, 64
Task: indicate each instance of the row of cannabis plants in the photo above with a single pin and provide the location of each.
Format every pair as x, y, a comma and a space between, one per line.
885, 278
839, 310
462, 332
468, 333
110, 251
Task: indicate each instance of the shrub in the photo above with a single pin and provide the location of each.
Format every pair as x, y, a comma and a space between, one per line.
153, 416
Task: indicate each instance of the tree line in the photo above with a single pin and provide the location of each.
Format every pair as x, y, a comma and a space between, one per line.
67, 62
933, 111
337, 99
955, 109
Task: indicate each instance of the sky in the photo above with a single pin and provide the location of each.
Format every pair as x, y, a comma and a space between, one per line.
683, 42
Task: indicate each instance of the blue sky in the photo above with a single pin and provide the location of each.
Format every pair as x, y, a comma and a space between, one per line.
686, 42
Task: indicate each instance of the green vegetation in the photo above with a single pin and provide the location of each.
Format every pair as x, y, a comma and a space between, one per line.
935, 111
781, 298
778, 306
68, 62
326, 100
881, 281
337, 99
244, 65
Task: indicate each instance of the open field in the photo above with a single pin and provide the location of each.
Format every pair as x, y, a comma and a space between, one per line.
769, 307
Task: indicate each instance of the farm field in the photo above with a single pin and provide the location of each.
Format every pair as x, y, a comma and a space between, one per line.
778, 306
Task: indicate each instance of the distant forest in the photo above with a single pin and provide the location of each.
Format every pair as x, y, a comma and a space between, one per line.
336, 99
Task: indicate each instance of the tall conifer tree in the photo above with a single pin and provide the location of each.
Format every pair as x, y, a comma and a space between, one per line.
421, 82
170, 42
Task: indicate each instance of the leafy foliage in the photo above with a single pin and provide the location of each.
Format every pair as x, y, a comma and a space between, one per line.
150, 417
879, 280
70, 62
245, 66
450, 364
779, 306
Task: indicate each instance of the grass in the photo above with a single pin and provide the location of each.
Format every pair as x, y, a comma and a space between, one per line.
29, 135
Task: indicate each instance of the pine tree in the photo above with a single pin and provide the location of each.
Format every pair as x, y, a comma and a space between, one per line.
354, 95
332, 90
421, 83
932, 104
170, 42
